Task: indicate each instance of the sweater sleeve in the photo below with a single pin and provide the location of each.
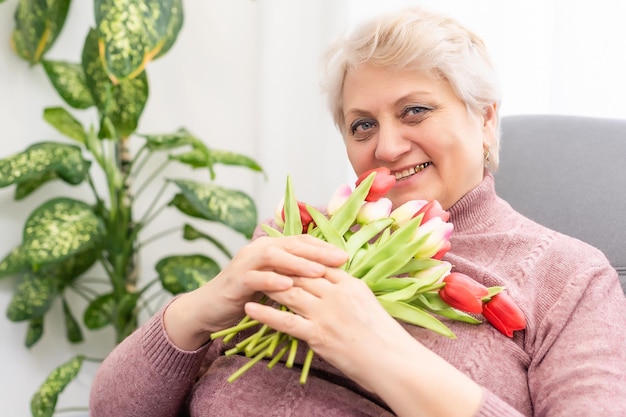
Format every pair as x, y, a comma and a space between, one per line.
579, 363
145, 375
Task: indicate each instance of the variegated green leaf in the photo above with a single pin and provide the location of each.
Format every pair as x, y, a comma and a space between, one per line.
72, 267
14, 263
173, 27
191, 233
99, 312
45, 399
72, 329
236, 159
131, 32
70, 82
59, 229
121, 103
37, 25
34, 332
180, 274
25, 188
65, 123
232, 208
37, 160
184, 206
169, 141
32, 297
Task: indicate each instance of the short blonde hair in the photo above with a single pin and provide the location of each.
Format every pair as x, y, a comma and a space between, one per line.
427, 42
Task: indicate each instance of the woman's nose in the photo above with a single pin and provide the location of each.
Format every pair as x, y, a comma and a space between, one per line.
391, 145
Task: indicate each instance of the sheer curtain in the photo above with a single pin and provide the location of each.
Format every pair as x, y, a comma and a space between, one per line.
244, 76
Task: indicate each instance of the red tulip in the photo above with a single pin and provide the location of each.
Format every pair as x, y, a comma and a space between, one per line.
463, 293
433, 209
502, 312
305, 216
383, 182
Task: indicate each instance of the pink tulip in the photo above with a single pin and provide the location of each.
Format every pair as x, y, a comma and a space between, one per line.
433, 209
502, 312
437, 233
383, 182
401, 215
435, 273
375, 210
463, 293
279, 216
340, 196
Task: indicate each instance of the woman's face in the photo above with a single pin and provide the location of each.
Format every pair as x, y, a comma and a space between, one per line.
418, 128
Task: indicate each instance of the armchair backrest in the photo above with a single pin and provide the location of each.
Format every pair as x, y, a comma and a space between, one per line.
569, 174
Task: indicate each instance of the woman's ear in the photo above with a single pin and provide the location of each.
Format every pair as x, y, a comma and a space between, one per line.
490, 124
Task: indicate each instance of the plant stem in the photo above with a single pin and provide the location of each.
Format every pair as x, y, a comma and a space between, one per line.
157, 236
151, 177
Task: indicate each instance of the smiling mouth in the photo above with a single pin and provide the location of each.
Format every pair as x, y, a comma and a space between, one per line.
408, 172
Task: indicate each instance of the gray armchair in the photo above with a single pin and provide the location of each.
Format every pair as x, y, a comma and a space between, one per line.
569, 174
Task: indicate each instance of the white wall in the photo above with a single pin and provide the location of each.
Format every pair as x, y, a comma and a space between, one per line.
244, 76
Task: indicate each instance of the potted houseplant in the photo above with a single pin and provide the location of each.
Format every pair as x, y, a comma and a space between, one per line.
66, 237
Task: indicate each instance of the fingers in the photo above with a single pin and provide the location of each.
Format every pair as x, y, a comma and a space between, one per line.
301, 255
282, 321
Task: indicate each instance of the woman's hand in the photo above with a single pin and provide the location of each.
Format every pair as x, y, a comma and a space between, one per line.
265, 265
338, 316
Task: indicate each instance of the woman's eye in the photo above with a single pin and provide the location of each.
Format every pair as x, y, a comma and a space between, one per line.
361, 126
414, 111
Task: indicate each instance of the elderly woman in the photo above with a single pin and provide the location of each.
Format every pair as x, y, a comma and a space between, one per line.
414, 92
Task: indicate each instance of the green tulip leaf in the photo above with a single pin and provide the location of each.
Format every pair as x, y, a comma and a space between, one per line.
416, 316
73, 332
144, 25
15, 262
191, 233
179, 274
34, 332
37, 25
120, 103
32, 297
70, 82
99, 312
173, 27
65, 123
232, 208
59, 229
39, 159
45, 399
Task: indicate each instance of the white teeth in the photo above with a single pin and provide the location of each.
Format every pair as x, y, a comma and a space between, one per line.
408, 172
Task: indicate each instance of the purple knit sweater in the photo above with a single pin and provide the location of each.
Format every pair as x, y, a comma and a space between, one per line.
570, 361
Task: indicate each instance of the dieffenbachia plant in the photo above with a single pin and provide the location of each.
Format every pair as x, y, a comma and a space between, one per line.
65, 237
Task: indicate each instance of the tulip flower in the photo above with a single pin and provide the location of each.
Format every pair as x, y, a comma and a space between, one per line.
463, 293
305, 216
374, 210
502, 312
340, 196
406, 212
435, 273
444, 249
279, 213
436, 233
433, 209
383, 182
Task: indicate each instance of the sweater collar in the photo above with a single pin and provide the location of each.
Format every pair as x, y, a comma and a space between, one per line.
477, 209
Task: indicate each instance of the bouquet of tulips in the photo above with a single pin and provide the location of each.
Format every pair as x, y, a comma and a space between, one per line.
398, 253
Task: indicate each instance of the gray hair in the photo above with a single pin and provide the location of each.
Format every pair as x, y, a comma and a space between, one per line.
427, 42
